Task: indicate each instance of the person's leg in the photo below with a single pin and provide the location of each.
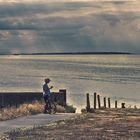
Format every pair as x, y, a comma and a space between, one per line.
45, 99
46, 104
49, 101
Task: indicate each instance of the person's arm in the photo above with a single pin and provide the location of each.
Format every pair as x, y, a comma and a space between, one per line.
43, 88
51, 87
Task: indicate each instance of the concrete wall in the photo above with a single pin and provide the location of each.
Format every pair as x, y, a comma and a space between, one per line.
16, 98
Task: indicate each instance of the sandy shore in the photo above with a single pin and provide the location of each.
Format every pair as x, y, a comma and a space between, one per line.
120, 124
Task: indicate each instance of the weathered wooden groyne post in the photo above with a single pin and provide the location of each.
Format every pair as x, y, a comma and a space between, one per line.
87, 103
109, 105
99, 103
95, 94
104, 102
116, 104
123, 105
64, 96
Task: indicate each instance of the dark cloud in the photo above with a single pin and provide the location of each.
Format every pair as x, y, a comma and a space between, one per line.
69, 26
26, 10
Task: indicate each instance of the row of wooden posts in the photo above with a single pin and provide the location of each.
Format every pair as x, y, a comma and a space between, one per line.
98, 101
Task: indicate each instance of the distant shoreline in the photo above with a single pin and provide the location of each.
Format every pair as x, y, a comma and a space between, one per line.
76, 53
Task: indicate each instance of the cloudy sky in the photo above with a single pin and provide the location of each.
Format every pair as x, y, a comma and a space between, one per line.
69, 25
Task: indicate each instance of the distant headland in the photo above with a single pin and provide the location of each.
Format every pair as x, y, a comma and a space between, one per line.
73, 53
76, 53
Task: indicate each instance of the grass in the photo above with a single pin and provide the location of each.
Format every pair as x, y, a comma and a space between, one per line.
113, 124
25, 109
70, 109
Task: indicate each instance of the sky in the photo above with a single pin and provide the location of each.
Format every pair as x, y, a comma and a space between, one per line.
31, 26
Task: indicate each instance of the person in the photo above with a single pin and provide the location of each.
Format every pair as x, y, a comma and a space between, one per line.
46, 91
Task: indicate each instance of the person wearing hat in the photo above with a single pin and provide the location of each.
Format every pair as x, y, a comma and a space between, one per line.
46, 91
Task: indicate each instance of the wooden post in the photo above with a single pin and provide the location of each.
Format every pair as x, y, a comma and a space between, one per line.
104, 102
123, 105
87, 103
109, 106
95, 94
99, 103
116, 104
64, 91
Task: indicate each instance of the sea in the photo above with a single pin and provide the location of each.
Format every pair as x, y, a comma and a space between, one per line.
114, 76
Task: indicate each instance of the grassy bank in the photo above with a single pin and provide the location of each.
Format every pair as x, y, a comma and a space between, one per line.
120, 124
25, 109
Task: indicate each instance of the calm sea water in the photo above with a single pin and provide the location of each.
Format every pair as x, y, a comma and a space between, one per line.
115, 76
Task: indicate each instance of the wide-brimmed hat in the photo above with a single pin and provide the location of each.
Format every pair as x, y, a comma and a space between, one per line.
47, 80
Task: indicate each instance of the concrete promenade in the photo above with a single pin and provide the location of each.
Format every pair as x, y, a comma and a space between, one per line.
33, 120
